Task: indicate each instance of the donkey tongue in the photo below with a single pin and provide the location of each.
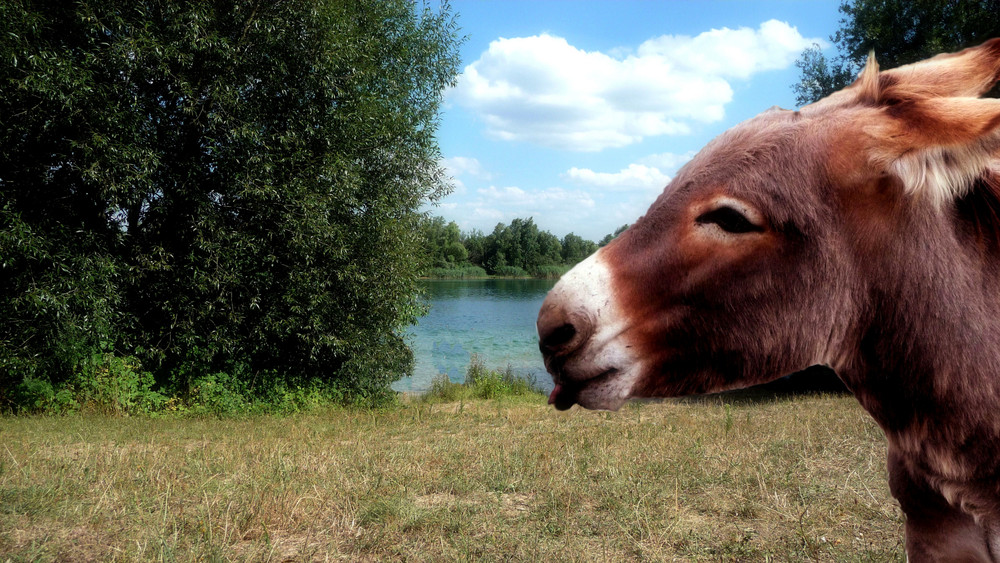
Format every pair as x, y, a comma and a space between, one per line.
554, 394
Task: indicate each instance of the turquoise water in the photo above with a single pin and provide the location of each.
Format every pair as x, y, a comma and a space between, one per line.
492, 318
496, 319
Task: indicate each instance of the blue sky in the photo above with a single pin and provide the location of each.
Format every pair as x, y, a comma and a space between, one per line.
578, 113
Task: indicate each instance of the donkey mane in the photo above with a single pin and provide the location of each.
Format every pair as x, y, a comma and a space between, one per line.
981, 205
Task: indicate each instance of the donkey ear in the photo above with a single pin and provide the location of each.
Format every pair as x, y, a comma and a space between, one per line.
937, 147
971, 72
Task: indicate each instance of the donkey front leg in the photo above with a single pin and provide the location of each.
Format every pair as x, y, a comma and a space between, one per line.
946, 536
936, 531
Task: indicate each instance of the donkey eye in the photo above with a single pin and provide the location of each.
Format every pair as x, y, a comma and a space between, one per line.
729, 220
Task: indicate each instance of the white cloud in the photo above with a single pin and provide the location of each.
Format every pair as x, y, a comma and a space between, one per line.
668, 162
458, 167
555, 209
519, 202
465, 166
732, 53
650, 173
636, 176
589, 211
542, 90
596, 204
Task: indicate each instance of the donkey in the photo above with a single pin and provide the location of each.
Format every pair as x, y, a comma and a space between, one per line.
861, 232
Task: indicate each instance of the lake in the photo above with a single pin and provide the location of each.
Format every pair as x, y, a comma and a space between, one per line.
496, 319
493, 318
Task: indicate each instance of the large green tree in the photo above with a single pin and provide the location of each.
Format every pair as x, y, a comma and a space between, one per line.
442, 242
217, 185
575, 248
898, 32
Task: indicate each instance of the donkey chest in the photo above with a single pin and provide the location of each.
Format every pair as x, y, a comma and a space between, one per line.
927, 470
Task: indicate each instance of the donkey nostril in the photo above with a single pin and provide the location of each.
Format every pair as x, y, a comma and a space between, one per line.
559, 337
561, 332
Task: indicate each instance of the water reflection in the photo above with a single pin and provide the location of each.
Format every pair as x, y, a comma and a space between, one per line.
493, 318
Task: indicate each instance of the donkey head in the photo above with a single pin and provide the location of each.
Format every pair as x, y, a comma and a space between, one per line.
778, 244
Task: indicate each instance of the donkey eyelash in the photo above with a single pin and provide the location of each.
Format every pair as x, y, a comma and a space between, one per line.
729, 220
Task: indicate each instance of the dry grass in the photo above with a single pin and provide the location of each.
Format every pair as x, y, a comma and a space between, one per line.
790, 479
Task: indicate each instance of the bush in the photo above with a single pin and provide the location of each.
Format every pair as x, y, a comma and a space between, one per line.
58, 301
104, 383
38, 395
119, 386
110, 384
480, 383
486, 383
217, 393
445, 390
223, 394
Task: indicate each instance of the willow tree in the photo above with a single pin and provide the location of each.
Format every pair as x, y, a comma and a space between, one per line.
217, 186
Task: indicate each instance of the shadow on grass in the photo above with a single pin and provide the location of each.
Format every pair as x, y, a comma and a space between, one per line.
810, 381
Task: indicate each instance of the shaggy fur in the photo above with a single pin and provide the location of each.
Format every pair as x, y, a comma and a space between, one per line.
871, 244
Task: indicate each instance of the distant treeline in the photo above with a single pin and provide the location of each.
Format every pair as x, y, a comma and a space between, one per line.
519, 249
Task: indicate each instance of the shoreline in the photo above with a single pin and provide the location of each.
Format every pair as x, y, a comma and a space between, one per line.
477, 278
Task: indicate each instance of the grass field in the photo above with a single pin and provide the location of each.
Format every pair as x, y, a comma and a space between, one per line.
786, 479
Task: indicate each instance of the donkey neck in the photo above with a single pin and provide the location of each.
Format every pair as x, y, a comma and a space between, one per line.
929, 343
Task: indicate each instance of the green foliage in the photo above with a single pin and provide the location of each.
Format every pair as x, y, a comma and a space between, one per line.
458, 272
445, 390
899, 32
39, 395
507, 271
552, 271
114, 385
58, 304
820, 77
475, 245
206, 188
612, 236
443, 243
481, 383
117, 386
575, 248
222, 394
516, 250
218, 394
513, 250
488, 383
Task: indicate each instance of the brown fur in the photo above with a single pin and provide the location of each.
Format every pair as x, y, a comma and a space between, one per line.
879, 256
